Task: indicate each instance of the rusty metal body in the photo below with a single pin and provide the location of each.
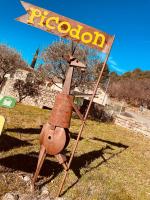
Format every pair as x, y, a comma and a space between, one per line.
53, 140
54, 135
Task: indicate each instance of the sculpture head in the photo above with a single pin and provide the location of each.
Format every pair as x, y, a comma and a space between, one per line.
74, 62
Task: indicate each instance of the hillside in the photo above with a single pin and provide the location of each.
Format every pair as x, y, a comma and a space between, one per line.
132, 87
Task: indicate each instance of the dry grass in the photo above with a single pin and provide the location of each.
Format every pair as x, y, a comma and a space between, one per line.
111, 163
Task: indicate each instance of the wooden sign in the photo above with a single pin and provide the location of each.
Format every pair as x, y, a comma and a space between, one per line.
2, 121
65, 27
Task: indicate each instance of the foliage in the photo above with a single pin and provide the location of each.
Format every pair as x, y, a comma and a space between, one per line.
35, 57
29, 87
56, 65
137, 73
10, 60
132, 87
97, 112
25, 89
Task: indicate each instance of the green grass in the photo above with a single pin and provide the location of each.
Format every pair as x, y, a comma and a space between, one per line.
112, 163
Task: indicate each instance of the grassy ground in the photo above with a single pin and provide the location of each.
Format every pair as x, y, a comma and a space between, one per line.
111, 163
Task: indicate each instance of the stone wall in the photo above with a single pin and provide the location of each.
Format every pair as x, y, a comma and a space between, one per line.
100, 98
46, 97
133, 124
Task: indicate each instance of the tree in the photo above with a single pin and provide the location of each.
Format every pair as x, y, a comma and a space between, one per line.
127, 74
55, 64
136, 73
25, 89
30, 87
10, 60
35, 57
113, 74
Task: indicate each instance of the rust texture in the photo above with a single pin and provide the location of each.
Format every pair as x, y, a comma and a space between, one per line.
62, 111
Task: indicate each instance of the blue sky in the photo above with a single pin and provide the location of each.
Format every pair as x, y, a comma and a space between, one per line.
129, 20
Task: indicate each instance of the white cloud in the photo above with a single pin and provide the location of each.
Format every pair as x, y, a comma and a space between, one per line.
117, 68
113, 64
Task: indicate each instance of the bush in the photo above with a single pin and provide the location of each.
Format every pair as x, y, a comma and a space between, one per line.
96, 112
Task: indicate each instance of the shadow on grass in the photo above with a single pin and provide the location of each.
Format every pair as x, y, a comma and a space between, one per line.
36, 131
27, 162
75, 135
85, 159
8, 142
116, 144
24, 130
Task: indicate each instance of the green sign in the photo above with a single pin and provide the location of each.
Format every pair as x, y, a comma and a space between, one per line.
7, 102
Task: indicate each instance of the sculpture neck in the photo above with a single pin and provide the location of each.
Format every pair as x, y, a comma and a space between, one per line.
67, 83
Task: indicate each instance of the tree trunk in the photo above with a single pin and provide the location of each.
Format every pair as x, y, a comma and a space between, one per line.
2, 82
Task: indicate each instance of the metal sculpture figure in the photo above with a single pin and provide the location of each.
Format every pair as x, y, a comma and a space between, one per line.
54, 136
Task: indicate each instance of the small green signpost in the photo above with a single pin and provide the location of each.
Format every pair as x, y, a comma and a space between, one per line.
7, 102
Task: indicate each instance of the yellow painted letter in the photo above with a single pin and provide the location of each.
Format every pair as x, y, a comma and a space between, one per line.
34, 14
74, 32
99, 39
56, 19
43, 17
64, 27
86, 37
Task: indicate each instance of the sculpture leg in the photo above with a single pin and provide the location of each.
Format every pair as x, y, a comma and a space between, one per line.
62, 160
41, 158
